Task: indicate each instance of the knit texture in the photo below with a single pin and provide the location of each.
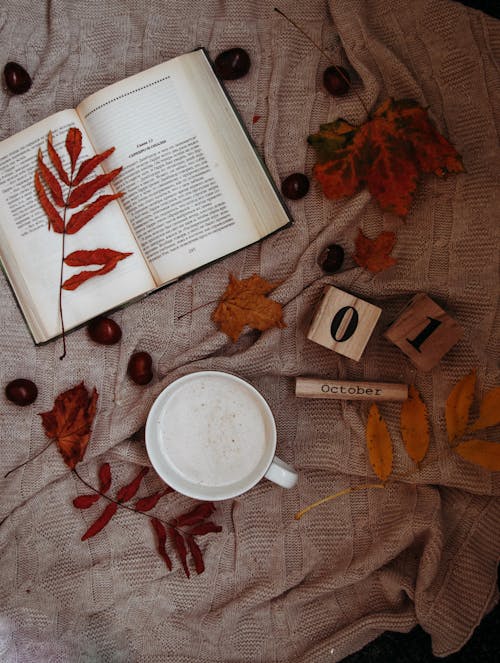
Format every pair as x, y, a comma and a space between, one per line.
423, 551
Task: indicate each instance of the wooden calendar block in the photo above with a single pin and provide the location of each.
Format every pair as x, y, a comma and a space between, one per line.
424, 332
343, 322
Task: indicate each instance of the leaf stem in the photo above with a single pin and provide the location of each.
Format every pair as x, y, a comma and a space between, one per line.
337, 68
351, 489
27, 461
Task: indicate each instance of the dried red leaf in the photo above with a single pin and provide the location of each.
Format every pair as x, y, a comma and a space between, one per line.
104, 477
373, 254
106, 257
205, 528
101, 522
86, 501
89, 165
85, 191
386, 154
70, 421
148, 503
256, 118
55, 220
179, 545
196, 553
74, 145
127, 492
161, 536
50, 180
196, 515
56, 160
81, 218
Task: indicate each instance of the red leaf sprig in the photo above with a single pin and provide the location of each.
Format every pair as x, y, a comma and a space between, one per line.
179, 531
68, 191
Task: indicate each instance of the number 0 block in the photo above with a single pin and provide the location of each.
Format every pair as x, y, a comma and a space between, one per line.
424, 332
343, 323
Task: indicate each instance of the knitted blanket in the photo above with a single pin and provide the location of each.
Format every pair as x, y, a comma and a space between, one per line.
422, 551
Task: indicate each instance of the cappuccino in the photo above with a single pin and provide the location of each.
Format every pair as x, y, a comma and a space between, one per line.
215, 431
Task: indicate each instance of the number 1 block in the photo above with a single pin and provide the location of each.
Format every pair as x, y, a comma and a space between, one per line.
343, 323
424, 332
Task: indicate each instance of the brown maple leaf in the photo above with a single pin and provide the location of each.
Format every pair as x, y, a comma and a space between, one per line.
373, 254
245, 303
387, 154
69, 422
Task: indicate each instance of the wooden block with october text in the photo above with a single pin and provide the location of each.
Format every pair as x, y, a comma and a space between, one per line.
424, 332
343, 322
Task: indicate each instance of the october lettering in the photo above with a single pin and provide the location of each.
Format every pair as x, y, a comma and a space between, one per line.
341, 389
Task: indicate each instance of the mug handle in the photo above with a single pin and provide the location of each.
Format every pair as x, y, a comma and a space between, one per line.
281, 473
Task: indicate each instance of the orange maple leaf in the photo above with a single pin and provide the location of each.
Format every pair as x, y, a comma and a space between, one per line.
387, 154
245, 303
373, 254
69, 422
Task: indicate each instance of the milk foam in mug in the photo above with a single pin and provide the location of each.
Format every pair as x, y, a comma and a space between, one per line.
211, 435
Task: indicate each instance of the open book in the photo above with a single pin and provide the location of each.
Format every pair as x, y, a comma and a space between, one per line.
194, 188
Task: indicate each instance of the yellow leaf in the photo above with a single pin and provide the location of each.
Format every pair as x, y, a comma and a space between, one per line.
379, 444
415, 425
481, 452
458, 406
489, 411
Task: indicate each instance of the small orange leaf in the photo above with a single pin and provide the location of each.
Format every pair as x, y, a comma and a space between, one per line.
373, 254
85, 191
245, 303
489, 411
56, 160
87, 213
458, 406
415, 425
481, 452
379, 444
55, 220
69, 422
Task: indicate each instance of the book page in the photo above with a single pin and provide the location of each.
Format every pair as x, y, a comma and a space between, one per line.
31, 253
182, 198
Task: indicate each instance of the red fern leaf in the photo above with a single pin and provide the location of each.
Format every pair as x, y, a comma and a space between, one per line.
56, 160
81, 218
74, 145
55, 220
85, 191
105, 477
106, 257
197, 555
127, 492
102, 521
50, 181
179, 545
90, 164
196, 515
85, 501
148, 503
161, 536
205, 528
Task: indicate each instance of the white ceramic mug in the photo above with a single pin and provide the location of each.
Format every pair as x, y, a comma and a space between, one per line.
212, 436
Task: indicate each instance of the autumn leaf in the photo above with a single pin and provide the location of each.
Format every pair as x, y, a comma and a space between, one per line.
373, 254
81, 218
481, 452
74, 145
379, 444
415, 425
90, 164
50, 180
56, 160
70, 421
245, 303
386, 154
55, 219
85, 191
489, 411
458, 406
106, 257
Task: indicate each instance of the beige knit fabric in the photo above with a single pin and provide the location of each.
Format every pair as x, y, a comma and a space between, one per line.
424, 550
